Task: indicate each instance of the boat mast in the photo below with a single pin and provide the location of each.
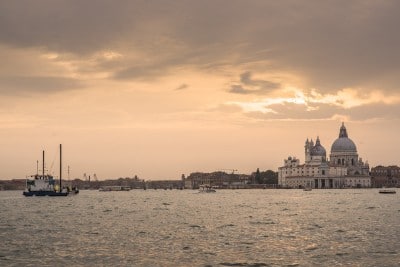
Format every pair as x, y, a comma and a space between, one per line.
43, 166
60, 167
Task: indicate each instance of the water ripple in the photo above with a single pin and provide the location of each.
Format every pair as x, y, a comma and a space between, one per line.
181, 228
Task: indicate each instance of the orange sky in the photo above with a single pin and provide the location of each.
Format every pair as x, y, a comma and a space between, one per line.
160, 89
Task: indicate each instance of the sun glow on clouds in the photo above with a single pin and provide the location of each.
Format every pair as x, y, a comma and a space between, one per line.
84, 67
346, 98
263, 104
110, 55
350, 97
50, 56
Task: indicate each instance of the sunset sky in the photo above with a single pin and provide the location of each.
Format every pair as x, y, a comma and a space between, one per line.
164, 88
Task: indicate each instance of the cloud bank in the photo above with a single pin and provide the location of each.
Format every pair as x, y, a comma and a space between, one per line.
259, 47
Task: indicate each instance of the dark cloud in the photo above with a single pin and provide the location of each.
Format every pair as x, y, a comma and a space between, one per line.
182, 87
254, 86
139, 73
238, 89
246, 79
22, 85
331, 44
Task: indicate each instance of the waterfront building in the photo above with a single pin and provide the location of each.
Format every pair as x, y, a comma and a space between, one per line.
217, 179
385, 176
164, 184
344, 169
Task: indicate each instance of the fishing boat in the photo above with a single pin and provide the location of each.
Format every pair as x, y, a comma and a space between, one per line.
387, 191
45, 184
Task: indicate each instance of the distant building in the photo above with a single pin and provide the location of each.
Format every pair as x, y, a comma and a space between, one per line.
383, 176
345, 168
164, 184
218, 179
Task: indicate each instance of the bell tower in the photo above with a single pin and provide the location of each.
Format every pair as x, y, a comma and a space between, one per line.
307, 150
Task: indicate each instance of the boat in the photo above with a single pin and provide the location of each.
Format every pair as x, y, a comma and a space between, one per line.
308, 186
70, 188
387, 191
114, 188
45, 184
206, 189
73, 190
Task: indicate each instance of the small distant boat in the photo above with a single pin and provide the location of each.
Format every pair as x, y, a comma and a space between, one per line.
207, 189
73, 190
45, 185
307, 187
387, 191
114, 188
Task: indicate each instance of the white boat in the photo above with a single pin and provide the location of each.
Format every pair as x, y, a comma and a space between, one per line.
207, 189
45, 185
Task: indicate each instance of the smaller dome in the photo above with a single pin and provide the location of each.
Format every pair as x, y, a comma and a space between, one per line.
318, 149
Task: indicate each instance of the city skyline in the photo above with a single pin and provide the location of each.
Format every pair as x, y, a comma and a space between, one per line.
159, 89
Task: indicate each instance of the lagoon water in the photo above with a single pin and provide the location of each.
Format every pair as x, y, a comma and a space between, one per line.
349, 227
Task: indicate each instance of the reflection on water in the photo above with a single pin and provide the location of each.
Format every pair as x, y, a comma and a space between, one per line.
184, 228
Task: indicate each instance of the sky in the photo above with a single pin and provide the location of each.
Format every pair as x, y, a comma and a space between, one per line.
159, 89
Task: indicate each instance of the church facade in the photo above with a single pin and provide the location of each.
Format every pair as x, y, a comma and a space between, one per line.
344, 169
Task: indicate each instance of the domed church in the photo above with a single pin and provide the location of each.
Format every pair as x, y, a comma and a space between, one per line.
344, 169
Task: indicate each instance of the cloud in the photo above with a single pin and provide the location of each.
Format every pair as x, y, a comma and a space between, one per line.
255, 86
291, 111
262, 85
374, 111
23, 85
182, 87
305, 39
238, 89
347, 103
139, 73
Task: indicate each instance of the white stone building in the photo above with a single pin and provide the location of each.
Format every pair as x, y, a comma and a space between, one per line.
344, 169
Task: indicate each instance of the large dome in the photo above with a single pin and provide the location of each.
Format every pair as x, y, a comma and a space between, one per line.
343, 143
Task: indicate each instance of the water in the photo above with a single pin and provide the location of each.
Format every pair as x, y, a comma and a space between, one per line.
184, 228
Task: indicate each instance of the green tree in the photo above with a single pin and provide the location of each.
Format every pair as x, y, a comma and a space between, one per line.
258, 178
269, 177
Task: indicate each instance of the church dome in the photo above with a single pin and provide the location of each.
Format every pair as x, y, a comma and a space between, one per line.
343, 143
318, 149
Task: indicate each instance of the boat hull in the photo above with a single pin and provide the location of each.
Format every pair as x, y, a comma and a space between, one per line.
44, 193
387, 192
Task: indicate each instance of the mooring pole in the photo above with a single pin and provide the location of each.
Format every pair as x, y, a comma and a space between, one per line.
60, 167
